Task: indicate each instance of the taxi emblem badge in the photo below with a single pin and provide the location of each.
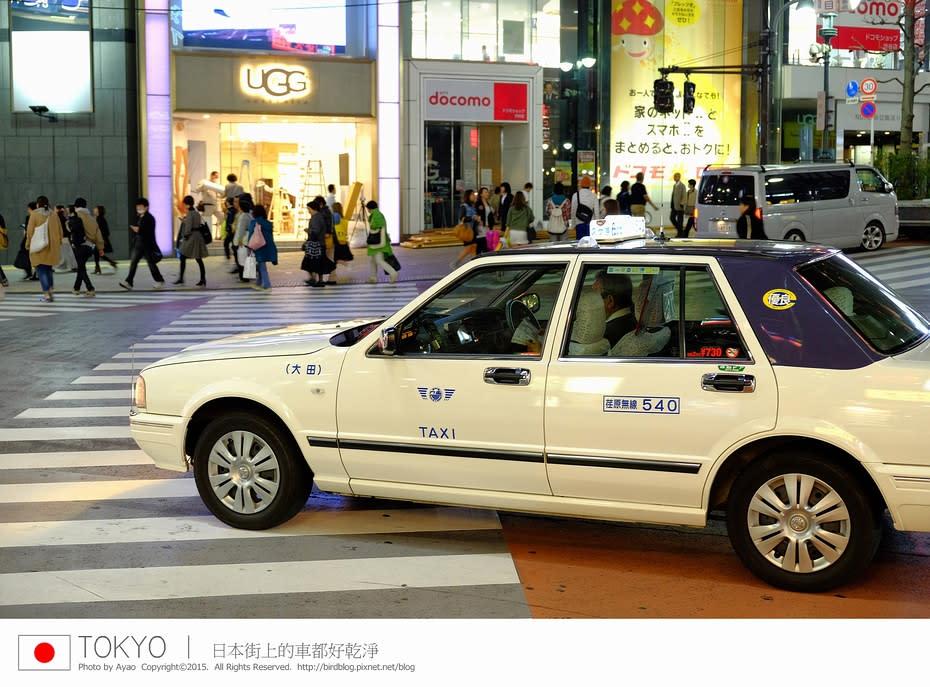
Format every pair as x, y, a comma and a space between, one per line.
779, 299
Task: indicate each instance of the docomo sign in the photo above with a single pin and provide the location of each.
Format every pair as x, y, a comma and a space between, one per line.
275, 83
475, 101
877, 8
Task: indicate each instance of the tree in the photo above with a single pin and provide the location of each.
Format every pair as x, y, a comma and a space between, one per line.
908, 25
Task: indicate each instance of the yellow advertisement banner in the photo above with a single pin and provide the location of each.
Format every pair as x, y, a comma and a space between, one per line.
647, 35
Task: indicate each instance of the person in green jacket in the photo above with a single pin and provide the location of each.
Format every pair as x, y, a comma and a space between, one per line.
519, 218
379, 247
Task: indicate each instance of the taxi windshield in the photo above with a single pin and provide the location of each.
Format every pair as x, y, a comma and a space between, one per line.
878, 314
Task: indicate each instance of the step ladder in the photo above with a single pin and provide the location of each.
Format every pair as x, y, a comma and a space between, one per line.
313, 186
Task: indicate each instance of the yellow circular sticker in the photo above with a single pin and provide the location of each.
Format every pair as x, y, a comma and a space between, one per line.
779, 299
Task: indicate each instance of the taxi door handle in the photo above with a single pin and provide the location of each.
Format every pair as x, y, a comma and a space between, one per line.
517, 376
715, 381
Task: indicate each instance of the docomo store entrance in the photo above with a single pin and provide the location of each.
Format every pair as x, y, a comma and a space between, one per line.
479, 128
287, 128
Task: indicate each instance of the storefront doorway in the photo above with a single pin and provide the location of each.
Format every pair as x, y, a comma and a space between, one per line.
284, 162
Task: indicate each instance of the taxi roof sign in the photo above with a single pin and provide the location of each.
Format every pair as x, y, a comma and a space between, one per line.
615, 228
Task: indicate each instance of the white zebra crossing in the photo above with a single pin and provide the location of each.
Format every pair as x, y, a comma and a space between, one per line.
899, 268
89, 409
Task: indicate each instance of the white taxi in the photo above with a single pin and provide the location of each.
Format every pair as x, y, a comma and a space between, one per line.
653, 382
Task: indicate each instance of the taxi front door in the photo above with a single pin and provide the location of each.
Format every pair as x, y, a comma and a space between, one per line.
446, 411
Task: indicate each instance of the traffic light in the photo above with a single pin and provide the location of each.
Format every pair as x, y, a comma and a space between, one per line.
688, 97
663, 96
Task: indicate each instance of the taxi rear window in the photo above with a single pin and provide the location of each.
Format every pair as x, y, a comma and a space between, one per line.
889, 324
725, 188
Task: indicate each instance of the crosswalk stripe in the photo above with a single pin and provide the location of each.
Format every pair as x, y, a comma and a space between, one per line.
357, 574
72, 459
61, 433
49, 492
103, 367
86, 395
73, 411
206, 527
138, 356
104, 379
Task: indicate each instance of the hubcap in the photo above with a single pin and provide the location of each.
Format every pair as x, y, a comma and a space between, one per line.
799, 523
244, 472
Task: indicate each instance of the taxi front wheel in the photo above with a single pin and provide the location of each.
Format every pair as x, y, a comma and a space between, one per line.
246, 475
802, 522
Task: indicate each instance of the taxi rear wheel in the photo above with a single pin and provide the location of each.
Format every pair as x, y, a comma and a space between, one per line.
246, 475
873, 237
802, 522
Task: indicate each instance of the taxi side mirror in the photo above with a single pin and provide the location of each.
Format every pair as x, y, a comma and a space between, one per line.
388, 341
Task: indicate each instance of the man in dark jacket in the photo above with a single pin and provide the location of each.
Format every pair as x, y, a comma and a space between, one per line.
145, 246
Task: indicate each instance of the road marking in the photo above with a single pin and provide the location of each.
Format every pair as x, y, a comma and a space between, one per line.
181, 582
75, 411
100, 490
104, 379
71, 459
61, 433
88, 395
207, 527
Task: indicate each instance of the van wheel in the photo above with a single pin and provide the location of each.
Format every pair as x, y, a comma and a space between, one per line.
794, 235
873, 237
801, 521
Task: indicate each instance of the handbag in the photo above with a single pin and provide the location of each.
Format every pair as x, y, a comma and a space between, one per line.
249, 268
583, 212
493, 238
39, 238
374, 237
257, 239
464, 233
207, 234
155, 254
392, 260
4, 239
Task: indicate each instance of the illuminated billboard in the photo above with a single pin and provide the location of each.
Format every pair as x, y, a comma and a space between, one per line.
311, 27
647, 35
50, 55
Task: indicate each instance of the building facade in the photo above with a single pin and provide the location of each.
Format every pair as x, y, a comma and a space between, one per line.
412, 103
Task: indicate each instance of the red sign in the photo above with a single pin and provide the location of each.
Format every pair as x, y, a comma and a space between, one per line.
865, 38
510, 102
867, 110
868, 86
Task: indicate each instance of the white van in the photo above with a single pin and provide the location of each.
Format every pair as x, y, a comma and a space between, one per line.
842, 205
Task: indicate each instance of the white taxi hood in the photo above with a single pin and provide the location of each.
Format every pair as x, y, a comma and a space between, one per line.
293, 340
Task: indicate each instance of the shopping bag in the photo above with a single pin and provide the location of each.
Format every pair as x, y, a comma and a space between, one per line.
39, 238
391, 260
249, 268
493, 237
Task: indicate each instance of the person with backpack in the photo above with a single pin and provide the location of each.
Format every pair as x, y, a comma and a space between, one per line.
558, 212
584, 205
87, 240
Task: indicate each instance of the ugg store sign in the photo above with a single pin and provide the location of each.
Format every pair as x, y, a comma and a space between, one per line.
274, 83
475, 101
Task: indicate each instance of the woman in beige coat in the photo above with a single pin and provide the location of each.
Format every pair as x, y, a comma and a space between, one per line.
43, 260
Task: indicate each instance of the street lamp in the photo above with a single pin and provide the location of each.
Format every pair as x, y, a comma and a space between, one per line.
769, 35
827, 32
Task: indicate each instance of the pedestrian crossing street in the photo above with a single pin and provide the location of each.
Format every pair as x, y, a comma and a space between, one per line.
27, 305
901, 268
89, 528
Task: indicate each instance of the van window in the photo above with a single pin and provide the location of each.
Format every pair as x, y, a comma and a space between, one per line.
788, 187
829, 185
724, 188
870, 181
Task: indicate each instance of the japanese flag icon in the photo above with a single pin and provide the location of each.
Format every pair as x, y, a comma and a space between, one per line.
44, 652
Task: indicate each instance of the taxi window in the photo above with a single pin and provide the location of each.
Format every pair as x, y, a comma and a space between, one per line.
639, 311
494, 311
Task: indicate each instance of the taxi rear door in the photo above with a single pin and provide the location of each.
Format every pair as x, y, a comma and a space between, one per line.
645, 425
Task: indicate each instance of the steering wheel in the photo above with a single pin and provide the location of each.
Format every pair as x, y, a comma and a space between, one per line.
517, 312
